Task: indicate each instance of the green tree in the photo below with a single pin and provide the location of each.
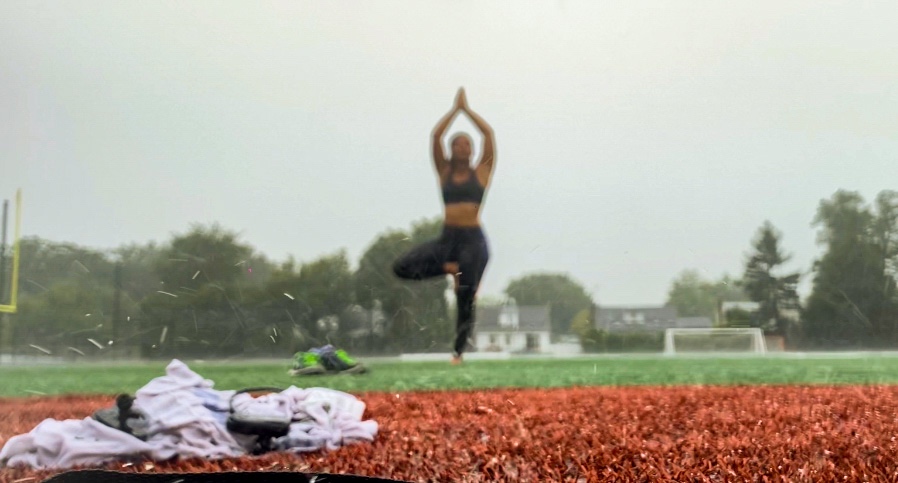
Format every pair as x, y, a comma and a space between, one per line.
489, 300
582, 323
774, 293
848, 304
65, 295
565, 296
885, 238
741, 318
138, 281
312, 297
327, 285
139, 261
416, 312
202, 276
205, 254
694, 296
44, 263
67, 315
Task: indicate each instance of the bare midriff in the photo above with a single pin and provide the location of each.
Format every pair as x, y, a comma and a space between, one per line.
462, 215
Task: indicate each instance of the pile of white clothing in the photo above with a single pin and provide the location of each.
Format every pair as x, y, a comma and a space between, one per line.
188, 419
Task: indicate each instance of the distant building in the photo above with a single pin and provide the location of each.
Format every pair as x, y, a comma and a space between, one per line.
694, 323
513, 328
644, 319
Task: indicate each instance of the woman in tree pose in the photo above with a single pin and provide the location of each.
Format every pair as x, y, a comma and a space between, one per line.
461, 249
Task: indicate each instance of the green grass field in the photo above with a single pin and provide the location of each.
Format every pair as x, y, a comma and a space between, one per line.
97, 378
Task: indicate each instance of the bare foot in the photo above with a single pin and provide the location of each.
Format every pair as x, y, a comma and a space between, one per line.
456, 360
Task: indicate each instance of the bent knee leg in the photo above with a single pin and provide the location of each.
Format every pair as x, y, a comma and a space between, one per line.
402, 269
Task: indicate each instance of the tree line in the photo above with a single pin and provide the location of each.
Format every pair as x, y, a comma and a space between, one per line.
207, 293
853, 301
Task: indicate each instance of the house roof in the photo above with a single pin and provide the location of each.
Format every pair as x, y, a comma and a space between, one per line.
645, 319
606, 316
530, 318
694, 323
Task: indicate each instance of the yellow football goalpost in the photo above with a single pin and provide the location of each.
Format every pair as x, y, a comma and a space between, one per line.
14, 286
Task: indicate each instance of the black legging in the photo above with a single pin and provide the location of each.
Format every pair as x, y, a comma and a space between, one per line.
469, 249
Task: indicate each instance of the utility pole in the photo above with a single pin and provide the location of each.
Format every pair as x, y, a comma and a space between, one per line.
3, 317
3, 254
116, 305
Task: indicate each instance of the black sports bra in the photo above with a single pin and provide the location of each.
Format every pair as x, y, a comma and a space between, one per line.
469, 191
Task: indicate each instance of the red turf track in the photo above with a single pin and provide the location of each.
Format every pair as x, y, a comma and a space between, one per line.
581, 434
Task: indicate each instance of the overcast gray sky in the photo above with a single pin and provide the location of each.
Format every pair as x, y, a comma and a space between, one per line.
635, 139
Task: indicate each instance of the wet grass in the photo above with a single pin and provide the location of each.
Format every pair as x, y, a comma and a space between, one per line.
111, 378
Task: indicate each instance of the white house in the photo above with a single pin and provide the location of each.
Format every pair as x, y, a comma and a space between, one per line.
513, 328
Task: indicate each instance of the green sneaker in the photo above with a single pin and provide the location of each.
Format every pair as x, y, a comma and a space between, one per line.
338, 361
351, 366
343, 356
306, 364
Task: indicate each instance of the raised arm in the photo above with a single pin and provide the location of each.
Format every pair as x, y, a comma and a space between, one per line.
436, 142
488, 154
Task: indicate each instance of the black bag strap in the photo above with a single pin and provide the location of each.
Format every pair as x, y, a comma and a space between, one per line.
125, 403
264, 430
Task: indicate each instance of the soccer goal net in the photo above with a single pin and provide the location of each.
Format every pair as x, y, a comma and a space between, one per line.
677, 341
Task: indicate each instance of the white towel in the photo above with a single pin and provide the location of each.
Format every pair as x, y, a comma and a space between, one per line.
187, 418
181, 423
69, 443
324, 418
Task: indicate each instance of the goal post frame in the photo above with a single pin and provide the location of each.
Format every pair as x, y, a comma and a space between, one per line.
14, 286
758, 344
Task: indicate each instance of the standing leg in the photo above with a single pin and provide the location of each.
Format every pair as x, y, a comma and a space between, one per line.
473, 258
